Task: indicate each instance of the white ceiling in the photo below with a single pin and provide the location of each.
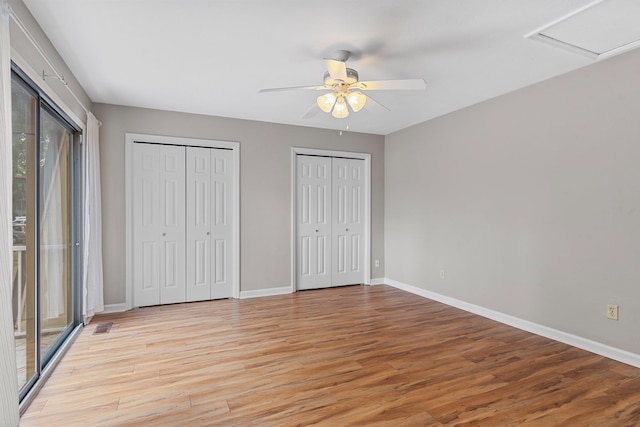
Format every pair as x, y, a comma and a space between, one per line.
212, 56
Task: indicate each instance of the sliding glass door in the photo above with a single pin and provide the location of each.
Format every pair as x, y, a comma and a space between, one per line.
56, 236
45, 289
24, 113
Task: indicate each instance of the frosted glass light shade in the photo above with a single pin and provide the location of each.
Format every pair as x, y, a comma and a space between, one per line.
326, 101
340, 110
356, 100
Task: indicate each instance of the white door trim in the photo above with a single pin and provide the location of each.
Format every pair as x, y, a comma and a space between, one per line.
130, 138
367, 205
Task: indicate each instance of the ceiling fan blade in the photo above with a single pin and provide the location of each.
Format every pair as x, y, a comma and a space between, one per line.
337, 69
403, 84
373, 105
311, 112
281, 89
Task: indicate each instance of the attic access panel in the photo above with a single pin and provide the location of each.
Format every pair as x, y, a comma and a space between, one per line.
601, 29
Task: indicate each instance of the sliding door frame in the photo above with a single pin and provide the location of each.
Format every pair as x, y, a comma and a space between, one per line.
47, 361
295, 151
76, 224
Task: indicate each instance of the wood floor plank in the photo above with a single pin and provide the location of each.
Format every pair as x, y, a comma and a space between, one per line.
356, 355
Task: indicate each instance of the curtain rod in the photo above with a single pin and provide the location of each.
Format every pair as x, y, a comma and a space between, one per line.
44, 56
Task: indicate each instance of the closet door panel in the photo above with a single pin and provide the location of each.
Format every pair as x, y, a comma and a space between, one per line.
313, 228
172, 196
356, 226
146, 219
348, 225
198, 204
159, 220
221, 261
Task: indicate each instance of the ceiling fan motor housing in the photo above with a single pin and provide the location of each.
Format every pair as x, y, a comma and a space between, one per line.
352, 77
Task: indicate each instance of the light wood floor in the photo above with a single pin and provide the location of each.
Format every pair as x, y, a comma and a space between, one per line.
344, 356
21, 354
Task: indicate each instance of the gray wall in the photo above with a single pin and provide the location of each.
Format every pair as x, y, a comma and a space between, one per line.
530, 202
25, 49
265, 187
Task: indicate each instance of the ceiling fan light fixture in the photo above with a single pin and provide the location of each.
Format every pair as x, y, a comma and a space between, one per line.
340, 110
344, 88
326, 101
356, 100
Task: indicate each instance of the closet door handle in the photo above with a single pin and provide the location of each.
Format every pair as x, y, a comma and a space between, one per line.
164, 234
208, 233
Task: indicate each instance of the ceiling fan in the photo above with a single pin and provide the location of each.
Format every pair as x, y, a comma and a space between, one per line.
344, 88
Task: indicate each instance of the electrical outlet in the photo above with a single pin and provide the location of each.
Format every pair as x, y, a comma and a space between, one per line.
612, 312
442, 274
377, 263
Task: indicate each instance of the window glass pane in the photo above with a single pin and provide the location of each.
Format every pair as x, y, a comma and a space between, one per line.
24, 106
56, 246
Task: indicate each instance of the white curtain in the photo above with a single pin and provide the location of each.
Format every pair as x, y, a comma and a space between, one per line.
8, 378
55, 236
92, 252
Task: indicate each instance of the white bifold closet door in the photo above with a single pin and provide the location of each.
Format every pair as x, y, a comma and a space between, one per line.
159, 224
314, 222
209, 224
182, 224
348, 221
330, 221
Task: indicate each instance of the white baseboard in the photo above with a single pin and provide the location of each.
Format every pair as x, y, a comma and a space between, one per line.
265, 292
554, 334
378, 281
114, 308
